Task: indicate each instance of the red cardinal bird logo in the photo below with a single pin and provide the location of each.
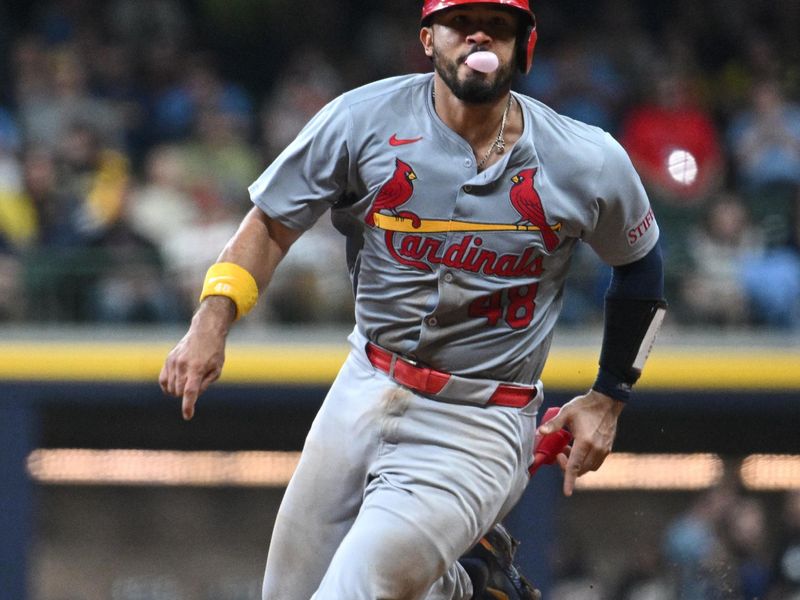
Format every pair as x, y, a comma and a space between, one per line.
525, 199
394, 193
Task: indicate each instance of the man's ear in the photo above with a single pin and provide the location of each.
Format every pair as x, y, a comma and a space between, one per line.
426, 38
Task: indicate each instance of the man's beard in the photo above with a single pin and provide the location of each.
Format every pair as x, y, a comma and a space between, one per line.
474, 89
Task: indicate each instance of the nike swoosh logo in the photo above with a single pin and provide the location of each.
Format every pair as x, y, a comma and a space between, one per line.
396, 141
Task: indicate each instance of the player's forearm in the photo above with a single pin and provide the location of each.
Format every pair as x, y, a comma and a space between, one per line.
633, 313
257, 247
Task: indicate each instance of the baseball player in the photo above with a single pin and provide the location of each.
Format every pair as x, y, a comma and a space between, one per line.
461, 204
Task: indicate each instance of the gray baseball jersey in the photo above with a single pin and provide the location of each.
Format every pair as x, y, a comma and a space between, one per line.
462, 271
458, 269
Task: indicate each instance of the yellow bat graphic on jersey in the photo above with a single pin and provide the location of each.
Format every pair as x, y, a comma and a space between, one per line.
407, 225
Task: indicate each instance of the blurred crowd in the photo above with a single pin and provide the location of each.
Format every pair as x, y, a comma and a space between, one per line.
130, 130
725, 546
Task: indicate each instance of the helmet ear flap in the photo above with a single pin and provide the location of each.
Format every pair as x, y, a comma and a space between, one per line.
526, 46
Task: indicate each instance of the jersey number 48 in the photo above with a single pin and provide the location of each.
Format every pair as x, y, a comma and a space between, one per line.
514, 305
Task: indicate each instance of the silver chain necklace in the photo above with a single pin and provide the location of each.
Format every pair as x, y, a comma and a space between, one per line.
499, 144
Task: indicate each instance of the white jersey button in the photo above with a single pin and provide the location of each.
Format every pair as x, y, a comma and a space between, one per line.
448, 277
468, 188
432, 322
468, 162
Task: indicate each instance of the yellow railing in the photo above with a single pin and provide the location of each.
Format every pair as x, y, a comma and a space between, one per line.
316, 364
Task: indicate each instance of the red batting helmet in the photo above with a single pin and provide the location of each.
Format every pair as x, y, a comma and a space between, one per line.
528, 35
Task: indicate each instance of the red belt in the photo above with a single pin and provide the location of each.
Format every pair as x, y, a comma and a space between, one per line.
430, 381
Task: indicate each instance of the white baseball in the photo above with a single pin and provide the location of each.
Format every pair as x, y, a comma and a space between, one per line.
682, 167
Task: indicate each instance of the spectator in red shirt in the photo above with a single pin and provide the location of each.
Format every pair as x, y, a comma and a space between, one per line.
673, 122
675, 146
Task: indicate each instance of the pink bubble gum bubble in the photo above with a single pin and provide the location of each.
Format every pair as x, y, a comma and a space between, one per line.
485, 62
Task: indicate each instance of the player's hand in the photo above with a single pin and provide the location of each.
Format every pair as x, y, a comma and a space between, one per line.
196, 361
592, 420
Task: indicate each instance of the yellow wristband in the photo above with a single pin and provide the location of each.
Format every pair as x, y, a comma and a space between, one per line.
234, 282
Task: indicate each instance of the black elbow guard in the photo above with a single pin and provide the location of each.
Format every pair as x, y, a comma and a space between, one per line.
631, 326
